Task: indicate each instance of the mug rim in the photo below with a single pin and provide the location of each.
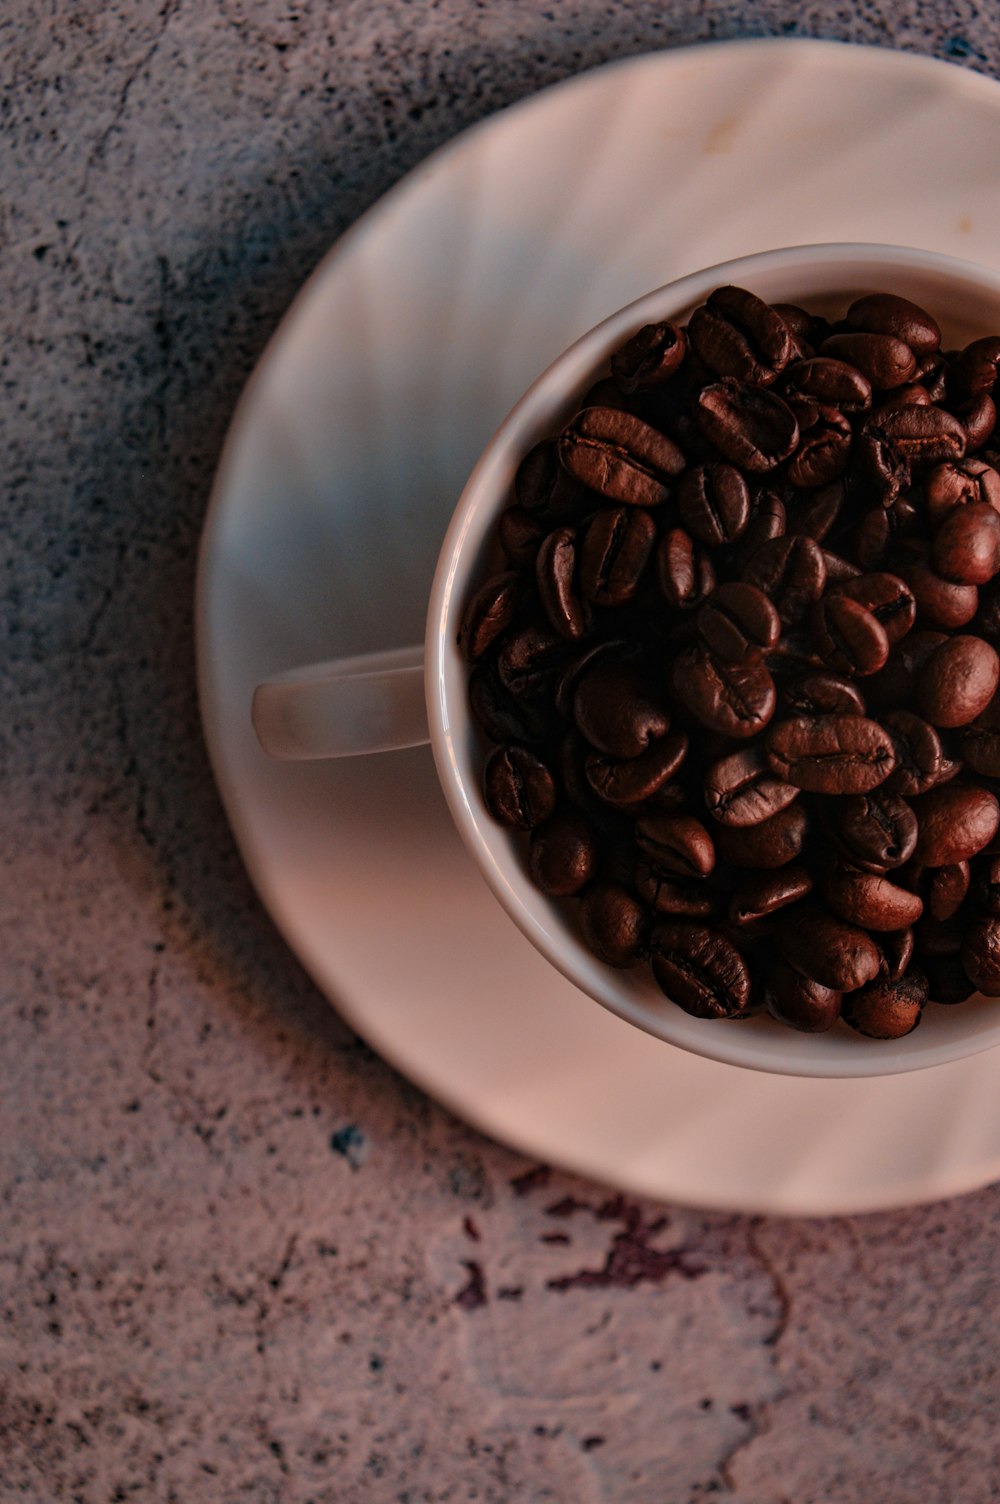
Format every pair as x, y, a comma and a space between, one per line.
633, 996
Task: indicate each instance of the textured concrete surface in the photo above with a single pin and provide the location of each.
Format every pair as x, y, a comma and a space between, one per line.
240, 1259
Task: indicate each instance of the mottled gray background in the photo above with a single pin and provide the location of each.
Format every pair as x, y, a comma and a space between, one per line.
240, 1258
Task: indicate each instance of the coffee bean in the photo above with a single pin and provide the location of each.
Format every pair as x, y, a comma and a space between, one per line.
615, 710
616, 547
897, 952
976, 366
563, 854
737, 334
769, 844
981, 741
741, 789
919, 757
649, 358
957, 681
542, 486
620, 457
626, 782
800, 1002
713, 501
830, 754
736, 699
887, 1010
684, 570
768, 519
883, 359
519, 789
966, 547
555, 575
520, 532
791, 572
501, 716
749, 425
676, 843
950, 485
940, 603
955, 822
614, 924
870, 900
848, 636
924, 435
824, 447
826, 949
488, 614
738, 622
766, 892
667, 893
699, 969
880, 464
828, 382
981, 955
947, 888
978, 416
886, 596
819, 693
876, 831
888, 313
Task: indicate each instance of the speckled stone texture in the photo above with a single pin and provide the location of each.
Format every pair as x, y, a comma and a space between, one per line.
241, 1259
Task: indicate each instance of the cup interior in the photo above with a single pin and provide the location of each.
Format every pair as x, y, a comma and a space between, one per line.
965, 299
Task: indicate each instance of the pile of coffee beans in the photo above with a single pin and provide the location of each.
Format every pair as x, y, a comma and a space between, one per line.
740, 663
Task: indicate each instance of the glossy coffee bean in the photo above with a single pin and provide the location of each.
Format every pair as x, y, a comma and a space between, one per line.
876, 831
713, 502
820, 693
824, 447
789, 570
826, 949
737, 334
897, 953
555, 576
738, 622
883, 359
699, 969
749, 425
947, 889
767, 845
981, 955
675, 843
630, 781
847, 636
976, 367
615, 710
919, 755
955, 822
829, 383
870, 900
981, 741
615, 549
736, 699
830, 754
939, 603
888, 597
957, 681
888, 313
563, 854
741, 789
966, 547
924, 435
684, 570
765, 893
529, 660
620, 457
798, 1001
947, 486
519, 789
668, 893
649, 358
488, 614
614, 924
887, 1010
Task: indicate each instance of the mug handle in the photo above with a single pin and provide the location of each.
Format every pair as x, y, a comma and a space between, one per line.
371, 703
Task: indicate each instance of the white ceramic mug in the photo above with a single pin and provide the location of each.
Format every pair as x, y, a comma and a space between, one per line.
415, 694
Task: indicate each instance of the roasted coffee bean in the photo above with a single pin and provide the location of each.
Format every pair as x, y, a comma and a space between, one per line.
820, 693
824, 447
981, 955
699, 969
828, 950
500, 715
713, 501
684, 570
894, 685
830, 754
978, 416
966, 547
883, 359
940, 603
897, 953
676, 843
649, 358
848, 636
976, 366
520, 791
829, 383
950, 485
736, 699
620, 457
555, 576
957, 681
668, 893
806, 327
616, 547
871, 900
768, 519
627, 782
615, 710
800, 1002
955, 822
573, 667
887, 1010
814, 513
888, 597
738, 622
737, 334
488, 614
741, 789
923, 435
876, 831
563, 854
767, 845
981, 741
888, 313
542, 485
946, 889
919, 756
614, 924
791, 572
749, 425
766, 892
528, 660
838, 569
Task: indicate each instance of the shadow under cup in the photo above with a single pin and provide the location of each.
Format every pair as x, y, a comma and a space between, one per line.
965, 299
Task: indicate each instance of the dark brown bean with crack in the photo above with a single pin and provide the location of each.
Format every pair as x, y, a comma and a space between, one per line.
981, 741
924, 435
488, 614
749, 425
950, 485
614, 924
955, 822
519, 789
699, 969
957, 681
946, 890
735, 333
649, 358
736, 699
824, 448
627, 782
563, 854
617, 455
871, 900
766, 892
668, 893
615, 710
713, 501
882, 359
830, 754
615, 549
791, 572
684, 570
966, 547
820, 693
555, 577
888, 597
876, 831
767, 845
827, 949
887, 1010
738, 622
828, 382
800, 1002
848, 636
897, 953
919, 755
939, 603
676, 843
888, 313
981, 955
741, 789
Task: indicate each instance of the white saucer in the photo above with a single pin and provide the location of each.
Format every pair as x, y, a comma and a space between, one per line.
346, 455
